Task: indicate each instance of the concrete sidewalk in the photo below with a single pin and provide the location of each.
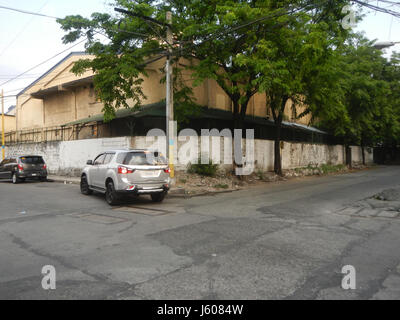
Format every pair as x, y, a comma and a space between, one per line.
64, 179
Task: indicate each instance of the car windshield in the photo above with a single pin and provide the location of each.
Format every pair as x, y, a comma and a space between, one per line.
143, 158
32, 160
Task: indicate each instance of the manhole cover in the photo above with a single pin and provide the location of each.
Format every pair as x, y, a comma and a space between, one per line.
98, 218
141, 210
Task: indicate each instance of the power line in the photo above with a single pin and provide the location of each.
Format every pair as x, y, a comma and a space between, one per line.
58, 18
67, 76
9, 76
21, 31
173, 52
378, 8
38, 65
392, 3
235, 28
223, 32
29, 12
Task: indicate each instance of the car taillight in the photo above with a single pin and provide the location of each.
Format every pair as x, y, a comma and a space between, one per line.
124, 170
21, 168
44, 167
168, 170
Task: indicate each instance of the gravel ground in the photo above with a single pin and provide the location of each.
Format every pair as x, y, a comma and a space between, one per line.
226, 181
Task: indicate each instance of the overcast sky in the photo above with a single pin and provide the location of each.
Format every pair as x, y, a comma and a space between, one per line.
27, 40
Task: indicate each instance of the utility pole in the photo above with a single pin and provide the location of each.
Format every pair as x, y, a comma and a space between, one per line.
3, 150
169, 114
170, 99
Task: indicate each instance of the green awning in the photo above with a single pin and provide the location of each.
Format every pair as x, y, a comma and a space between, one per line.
149, 110
158, 110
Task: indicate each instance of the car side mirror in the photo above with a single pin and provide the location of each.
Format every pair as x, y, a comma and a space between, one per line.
89, 162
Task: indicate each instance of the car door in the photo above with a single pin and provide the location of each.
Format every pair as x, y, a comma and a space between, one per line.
3, 168
95, 172
10, 167
102, 169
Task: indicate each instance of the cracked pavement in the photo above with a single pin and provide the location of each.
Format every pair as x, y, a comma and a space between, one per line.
283, 240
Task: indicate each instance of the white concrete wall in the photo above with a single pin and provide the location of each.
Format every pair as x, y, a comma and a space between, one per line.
294, 155
356, 155
69, 157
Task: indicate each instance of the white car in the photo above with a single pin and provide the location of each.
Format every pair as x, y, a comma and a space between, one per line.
124, 172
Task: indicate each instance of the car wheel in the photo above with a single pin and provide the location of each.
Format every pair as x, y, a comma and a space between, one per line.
111, 195
85, 186
15, 178
158, 197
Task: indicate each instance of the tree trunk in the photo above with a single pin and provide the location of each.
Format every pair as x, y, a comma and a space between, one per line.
348, 156
278, 118
277, 147
235, 116
363, 154
237, 123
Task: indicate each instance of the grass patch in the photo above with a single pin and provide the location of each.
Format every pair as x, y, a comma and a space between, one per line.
329, 168
208, 169
323, 169
260, 174
221, 186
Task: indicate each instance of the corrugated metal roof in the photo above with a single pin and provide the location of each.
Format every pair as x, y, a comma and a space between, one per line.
151, 110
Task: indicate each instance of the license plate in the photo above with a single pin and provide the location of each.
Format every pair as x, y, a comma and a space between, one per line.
150, 174
34, 174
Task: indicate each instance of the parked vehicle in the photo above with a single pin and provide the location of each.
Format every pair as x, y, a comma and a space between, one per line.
23, 167
127, 172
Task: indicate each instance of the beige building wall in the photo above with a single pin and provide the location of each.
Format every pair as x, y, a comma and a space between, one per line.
30, 114
51, 109
56, 98
86, 103
9, 123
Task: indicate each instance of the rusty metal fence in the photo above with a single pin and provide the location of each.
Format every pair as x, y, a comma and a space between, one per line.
59, 133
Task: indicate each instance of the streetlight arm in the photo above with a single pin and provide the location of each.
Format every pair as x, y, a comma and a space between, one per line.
385, 44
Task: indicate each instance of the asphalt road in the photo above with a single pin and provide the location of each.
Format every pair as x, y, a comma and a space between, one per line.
285, 240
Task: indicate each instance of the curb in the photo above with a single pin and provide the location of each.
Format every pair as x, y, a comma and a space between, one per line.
202, 194
60, 180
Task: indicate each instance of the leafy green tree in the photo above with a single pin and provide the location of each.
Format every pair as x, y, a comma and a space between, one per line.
295, 64
388, 126
272, 46
366, 91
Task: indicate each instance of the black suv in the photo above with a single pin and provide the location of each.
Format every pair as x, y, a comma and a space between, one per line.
20, 168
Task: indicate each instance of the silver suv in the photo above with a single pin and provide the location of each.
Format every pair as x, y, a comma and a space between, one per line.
127, 172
